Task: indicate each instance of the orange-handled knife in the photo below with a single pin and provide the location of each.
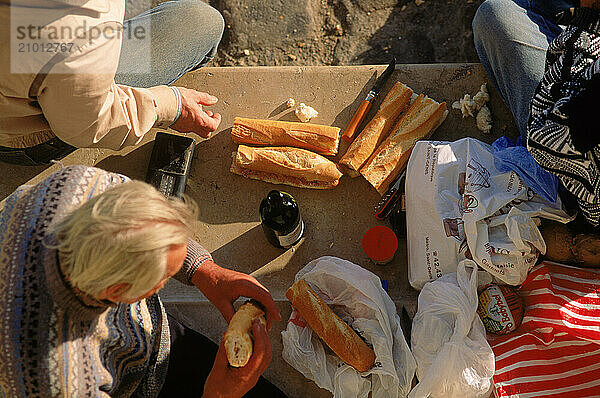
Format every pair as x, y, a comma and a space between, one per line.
364, 107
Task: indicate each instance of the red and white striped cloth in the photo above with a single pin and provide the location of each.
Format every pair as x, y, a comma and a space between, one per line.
556, 350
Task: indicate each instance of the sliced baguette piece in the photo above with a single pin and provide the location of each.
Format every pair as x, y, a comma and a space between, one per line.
237, 338
315, 137
389, 159
286, 165
377, 129
330, 328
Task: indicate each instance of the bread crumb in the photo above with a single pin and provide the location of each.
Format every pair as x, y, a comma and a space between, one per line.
484, 119
482, 96
419, 2
305, 112
404, 7
467, 106
290, 102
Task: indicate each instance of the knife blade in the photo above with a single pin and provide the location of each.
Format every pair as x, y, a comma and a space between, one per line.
364, 107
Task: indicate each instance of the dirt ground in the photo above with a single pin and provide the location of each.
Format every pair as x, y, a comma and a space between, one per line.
345, 32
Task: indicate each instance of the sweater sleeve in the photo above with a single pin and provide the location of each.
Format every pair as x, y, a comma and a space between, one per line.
560, 132
196, 256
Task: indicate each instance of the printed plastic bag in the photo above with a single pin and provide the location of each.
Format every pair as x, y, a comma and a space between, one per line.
448, 339
357, 297
459, 205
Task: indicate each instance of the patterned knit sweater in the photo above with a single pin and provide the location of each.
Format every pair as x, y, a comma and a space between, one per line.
563, 125
52, 344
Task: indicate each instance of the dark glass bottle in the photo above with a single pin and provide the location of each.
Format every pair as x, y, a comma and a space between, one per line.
281, 220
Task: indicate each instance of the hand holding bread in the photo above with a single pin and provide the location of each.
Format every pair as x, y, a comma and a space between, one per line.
223, 286
238, 340
230, 382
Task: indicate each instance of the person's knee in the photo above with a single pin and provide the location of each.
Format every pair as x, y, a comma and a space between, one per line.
198, 16
492, 20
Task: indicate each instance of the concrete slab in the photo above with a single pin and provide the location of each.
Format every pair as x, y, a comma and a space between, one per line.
228, 223
336, 219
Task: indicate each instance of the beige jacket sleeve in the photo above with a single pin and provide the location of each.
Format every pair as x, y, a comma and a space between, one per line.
91, 110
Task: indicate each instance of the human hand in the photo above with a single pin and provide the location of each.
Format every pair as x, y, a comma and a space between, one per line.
223, 286
194, 118
225, 381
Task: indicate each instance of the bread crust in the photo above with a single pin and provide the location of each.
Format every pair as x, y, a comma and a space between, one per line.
238, 340
285, 165
330, 328
315, 137
395, 102
390, 158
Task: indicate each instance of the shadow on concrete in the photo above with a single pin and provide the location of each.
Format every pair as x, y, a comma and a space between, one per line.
133, 164
343, 118
13, 176
288, 116
244, 251
282, 107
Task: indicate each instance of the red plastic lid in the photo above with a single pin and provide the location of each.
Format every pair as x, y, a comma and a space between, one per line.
380, 244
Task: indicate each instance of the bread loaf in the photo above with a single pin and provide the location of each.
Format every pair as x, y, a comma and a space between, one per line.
321, 139
330, 328
238, 342
377, 129
420, 120
285, 165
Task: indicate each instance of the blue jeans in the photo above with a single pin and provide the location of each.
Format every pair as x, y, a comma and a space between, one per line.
511, 39
184, 36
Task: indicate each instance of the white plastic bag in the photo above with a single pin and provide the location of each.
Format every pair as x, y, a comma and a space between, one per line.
448, 339
357, 297
459, 205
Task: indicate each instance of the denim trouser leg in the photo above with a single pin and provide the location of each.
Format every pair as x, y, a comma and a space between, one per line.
511, 38
184, 36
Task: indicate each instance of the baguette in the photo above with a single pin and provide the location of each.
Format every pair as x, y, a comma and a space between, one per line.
238, 342
315, 137
376, 130
330, 328
418, 122
285, 165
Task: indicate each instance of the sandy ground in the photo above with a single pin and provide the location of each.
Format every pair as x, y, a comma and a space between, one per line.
340, 32
346, 32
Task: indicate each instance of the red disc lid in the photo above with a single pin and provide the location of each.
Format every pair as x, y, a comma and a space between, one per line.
380, 243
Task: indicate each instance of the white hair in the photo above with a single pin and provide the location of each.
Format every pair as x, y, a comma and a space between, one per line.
123, 235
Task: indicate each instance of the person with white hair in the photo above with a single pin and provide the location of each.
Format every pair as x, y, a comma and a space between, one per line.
82, 255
